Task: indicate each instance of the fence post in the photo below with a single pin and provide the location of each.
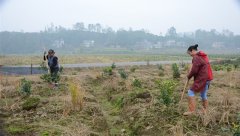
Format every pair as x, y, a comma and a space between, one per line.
31, 68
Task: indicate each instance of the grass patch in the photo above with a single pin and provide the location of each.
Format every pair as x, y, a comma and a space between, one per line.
18, 129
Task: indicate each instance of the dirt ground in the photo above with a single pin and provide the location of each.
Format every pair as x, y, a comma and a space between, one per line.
114, 105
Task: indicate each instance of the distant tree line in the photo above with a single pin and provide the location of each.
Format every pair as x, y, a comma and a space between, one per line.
82, 36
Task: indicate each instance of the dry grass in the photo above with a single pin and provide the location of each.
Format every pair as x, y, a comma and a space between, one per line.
111, 84
209, 118
225, 117
72, 129
177, 130
66, 108
77, 130
77, 95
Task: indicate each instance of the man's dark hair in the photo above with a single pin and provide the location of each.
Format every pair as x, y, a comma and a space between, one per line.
51, 51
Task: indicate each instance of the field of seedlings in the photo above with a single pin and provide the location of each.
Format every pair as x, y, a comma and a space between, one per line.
126, 101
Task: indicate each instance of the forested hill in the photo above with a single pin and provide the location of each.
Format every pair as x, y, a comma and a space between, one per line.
97, 39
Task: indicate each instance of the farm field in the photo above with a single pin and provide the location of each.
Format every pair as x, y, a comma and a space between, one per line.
134, 100
100, 58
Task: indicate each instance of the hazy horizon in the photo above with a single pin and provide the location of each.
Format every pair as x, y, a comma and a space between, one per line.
152, 15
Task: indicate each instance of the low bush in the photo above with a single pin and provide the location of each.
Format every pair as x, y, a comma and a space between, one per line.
229, 68
133, 69
123, 73
160, 67
108, 71
113, 66
43, 66
136, 83
30, 103
166, 88
176, 72
46, 78
50, 77
25, 86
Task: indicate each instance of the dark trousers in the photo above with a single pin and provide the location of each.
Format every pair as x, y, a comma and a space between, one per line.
54, 74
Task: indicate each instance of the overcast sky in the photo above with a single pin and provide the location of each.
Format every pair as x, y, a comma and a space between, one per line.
153, 15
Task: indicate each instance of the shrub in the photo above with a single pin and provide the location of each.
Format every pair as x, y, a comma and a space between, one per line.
235, 66
61, 69
46, 78
113, 66
50, 77
176, 72
30, 103
166, 91
182, 64
229, 68
123, 74
236, 126
25, 86
133, 69
55, 77
160, 67
43, 66
216, 67
77, 96
108, 71
137, 83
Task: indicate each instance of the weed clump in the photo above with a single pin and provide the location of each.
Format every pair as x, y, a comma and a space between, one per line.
17, 129
119, 102
236, 126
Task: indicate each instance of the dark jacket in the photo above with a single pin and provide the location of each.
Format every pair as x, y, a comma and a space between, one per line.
200, 73
52, 63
